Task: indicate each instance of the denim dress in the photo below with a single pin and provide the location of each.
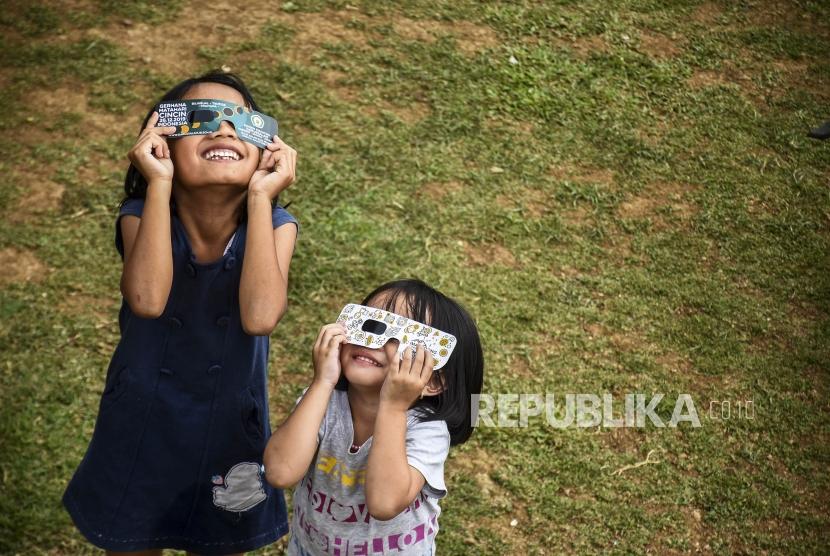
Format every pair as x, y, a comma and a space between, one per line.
175, 459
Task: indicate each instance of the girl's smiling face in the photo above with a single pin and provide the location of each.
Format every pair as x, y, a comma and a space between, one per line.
219, 158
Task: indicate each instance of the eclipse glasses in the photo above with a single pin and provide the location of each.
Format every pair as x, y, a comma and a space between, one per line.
372, 328
205, 115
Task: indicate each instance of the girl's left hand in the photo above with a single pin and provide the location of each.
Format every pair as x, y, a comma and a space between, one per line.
407, 378
276, 169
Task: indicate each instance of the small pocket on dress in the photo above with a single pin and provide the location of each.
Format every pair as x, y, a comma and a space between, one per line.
252, 417
115, 388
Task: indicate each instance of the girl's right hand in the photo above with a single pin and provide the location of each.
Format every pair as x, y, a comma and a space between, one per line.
326, 353
150, 154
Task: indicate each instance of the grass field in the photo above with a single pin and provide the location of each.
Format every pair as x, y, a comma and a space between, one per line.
621, 192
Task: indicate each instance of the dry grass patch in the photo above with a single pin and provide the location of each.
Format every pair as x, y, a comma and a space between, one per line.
470, 37
18, 266
409, 114
657, 198
73, 98
585, 46
577, 216
658, 46
437, 190
707, 13
532, 202
488, 254
674, 363
577, 174
102, 308
626, 440
42, 196
172, 48
783, 13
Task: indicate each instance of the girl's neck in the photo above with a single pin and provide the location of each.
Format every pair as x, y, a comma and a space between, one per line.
364, 408
209, 216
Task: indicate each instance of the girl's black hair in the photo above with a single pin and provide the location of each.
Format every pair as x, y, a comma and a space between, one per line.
462, 375
135, 186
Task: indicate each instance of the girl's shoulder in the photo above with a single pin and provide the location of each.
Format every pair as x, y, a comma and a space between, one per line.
280, 216
129, 207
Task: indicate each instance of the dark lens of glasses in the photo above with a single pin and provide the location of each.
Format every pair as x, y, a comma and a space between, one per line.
373, 327
201, 116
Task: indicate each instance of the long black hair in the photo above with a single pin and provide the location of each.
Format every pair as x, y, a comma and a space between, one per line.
462, 375
135, 186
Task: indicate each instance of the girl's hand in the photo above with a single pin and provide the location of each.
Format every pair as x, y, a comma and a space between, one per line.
407, 378
326, 353
150, 154
276, 169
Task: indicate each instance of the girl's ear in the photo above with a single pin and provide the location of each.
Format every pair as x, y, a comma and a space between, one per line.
435, 386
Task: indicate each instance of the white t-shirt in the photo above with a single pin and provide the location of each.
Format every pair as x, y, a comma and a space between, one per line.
330, 515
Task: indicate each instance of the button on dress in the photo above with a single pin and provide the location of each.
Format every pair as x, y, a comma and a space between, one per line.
175, 459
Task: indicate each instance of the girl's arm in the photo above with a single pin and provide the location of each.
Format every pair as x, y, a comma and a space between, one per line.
391, 483
292, 446
147, 275
263, 288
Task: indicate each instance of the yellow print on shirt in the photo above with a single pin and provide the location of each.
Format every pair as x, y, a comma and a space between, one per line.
349, 476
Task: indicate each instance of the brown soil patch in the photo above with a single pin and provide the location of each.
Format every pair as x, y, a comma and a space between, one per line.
784, 13
728, 74
42, 196
792, 75
568, 272
582, 175
674, 363
707, 78
20, 266
172, 48
176, 46
437, 190
797, 74
470, 38
708, 12
532, 202
73, 98
585, 46
619, 250
103, 308
657, 197
410, 114
414, 30
627, 440
314, 30
658, 46
576, 216
517, 366
488, 254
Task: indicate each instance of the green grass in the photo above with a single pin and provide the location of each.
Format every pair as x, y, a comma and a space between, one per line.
619, 218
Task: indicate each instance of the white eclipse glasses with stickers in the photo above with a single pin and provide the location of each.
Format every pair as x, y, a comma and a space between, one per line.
372, 328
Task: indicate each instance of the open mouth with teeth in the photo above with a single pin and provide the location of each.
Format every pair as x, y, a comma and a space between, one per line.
365, 359
221, 155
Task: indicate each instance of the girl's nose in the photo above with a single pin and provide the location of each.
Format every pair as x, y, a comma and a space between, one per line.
226, 129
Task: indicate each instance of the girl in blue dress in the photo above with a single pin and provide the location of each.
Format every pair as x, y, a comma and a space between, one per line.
175, 460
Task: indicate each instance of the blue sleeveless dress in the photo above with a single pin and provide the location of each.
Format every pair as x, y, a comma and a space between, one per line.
175, 460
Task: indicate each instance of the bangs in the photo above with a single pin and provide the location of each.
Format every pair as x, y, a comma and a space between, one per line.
419, 302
